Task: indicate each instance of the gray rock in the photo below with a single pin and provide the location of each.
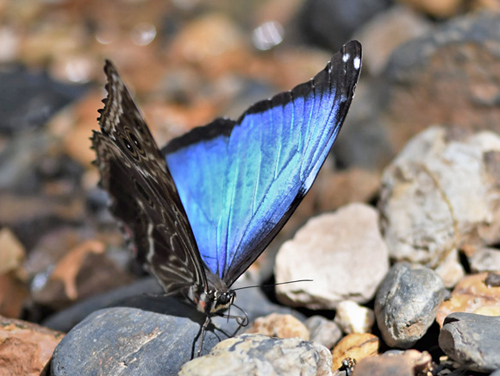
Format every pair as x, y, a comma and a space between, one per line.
438, 195
472, 340
496, 373
485, 260
407, 302
386, 31
323, 331
344, 254
331, 22
256, 354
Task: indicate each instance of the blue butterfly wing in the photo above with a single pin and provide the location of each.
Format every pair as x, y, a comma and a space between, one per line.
240, 181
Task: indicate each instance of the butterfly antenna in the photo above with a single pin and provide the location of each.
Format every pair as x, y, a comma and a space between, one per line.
242, 321
274, 284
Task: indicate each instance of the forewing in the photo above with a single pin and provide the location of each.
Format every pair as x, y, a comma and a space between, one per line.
241, 180
143, 194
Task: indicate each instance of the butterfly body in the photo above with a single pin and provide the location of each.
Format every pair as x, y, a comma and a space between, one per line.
202, 209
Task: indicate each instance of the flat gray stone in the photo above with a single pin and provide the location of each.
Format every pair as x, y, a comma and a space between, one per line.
407, 302
472, 340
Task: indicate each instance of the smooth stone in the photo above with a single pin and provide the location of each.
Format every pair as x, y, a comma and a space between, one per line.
353, 318
472, 340
344, 254
323, 331
438, 194
145, 325
407, 302
256, 354
128, 341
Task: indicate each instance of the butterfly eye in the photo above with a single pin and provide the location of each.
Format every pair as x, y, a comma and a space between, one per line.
136, 142
129, 147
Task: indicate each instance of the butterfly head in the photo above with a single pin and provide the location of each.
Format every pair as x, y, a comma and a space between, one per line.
213, 301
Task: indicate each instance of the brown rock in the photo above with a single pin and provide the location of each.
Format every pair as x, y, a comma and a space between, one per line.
13, 287
471, 295
436, 8
446, 77
356, 346
25, 348
84, 271
11, 251
358, 185
13, 293
279, 325
409, 363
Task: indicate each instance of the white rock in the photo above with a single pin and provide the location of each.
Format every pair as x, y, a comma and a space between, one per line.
437, 195
344, 254
353, 318
485, 260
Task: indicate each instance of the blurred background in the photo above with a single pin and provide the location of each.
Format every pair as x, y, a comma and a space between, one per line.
187, 62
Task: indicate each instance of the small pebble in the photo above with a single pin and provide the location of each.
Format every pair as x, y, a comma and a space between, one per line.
279, 325
323, 331
353, 318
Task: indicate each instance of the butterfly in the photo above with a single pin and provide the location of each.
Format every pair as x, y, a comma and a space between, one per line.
203, 208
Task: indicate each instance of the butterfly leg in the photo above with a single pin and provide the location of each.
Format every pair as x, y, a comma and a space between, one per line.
203, 330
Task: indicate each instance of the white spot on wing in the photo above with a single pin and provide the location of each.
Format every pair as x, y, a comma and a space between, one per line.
346, 57
357, 63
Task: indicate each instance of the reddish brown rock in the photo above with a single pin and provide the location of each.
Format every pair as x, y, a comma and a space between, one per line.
25, 348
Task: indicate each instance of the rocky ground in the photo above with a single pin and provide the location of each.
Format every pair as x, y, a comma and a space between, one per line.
399, 233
